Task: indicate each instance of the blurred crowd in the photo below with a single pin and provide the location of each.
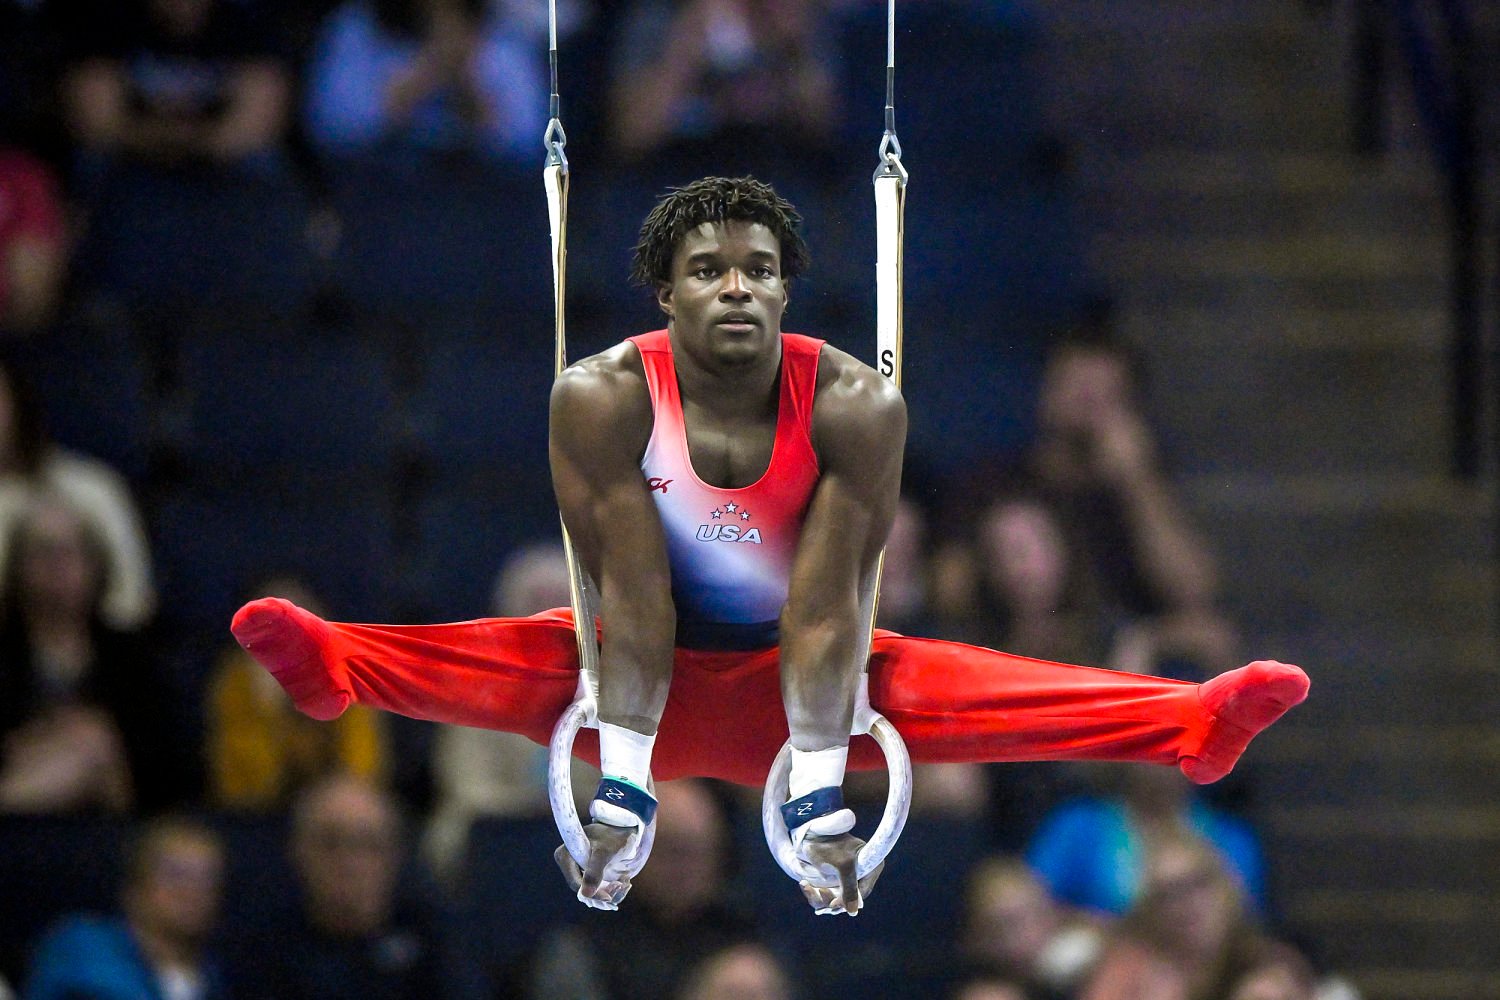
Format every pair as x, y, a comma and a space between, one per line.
170, 827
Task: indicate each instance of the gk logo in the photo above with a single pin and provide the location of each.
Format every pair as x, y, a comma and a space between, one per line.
805, 809
658, 483
614, 793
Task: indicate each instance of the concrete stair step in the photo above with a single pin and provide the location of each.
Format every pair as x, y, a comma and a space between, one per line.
1417, 823
1168, 16
1284, 583
1354, 213
1131, 256
1346, 558
1381, 982
1364, 683
1363, 744
1327, 782
1167, 169
1248, 292
1290, 409
1354, 329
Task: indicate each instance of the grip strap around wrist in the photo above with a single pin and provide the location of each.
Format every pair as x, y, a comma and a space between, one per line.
624, 795
814, 805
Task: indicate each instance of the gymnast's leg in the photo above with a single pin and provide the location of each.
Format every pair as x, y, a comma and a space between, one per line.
953, 702
512, 674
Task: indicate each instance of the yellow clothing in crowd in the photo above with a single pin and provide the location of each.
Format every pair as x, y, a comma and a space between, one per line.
261, 749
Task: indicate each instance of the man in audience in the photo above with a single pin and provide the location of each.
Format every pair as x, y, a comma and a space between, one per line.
425, 76
176, 82
159, 947
679, 911
87, 720
353, 935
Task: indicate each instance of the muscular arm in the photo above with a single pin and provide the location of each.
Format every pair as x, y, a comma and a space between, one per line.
600, 422
859, 431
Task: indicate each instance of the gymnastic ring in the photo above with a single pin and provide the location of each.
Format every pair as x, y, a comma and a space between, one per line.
565, 810
892, 821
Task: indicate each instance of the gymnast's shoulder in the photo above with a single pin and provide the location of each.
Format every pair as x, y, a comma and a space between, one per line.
850, 391
608, 387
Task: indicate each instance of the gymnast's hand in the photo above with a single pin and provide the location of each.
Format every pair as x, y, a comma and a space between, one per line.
606, 843
839, 852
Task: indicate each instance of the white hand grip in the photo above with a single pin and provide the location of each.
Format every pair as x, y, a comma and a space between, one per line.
897, 805
560, 791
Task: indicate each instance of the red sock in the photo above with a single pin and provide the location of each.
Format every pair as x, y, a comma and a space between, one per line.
289, 642
1242, 702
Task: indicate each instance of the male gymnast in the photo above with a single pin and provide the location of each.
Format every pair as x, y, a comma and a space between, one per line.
728, 487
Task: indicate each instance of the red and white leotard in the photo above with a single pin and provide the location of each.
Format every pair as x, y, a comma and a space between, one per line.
731, 550
724, 716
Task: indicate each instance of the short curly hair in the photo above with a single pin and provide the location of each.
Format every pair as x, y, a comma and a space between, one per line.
714, 199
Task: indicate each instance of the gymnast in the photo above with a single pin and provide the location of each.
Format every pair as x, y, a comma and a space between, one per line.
729, 488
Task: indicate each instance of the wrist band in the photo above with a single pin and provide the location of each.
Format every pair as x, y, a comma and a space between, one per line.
814, 769
814, 805
624, 795
625, 753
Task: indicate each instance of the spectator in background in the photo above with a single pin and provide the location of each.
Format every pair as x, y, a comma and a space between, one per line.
1283, 975
425, 76
1187, 938
159, 948
723, 81
1096, 457
989, 988
1014, 580
261, 750
746, 971
33, 243
30, 463
353, 934
1094, 851
86, 721
176, 83
904, 605
679, 911
480, 772
1018, 581
1015, 930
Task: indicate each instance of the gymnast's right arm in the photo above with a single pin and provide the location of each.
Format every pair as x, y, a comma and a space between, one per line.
600, 424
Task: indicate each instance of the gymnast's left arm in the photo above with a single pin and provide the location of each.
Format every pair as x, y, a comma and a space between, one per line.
859, 434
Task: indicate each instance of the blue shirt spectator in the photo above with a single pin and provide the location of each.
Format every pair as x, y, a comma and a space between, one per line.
424, 75
157, 949
1092, 852
99, 958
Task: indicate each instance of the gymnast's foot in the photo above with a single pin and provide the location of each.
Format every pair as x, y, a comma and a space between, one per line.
288, 642
1241, 702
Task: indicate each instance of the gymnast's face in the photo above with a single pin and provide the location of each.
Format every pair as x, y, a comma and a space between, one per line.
726, 295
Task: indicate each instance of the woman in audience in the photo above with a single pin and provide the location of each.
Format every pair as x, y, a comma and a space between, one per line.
85, 720
1189, 937
30, 463
1015, 930
1014, 581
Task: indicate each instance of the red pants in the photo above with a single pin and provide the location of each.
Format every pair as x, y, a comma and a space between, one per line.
724, 715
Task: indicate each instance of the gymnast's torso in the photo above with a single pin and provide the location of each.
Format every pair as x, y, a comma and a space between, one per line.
730, 549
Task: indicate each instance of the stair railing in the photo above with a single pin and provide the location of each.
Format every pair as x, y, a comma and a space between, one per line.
1434, 40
